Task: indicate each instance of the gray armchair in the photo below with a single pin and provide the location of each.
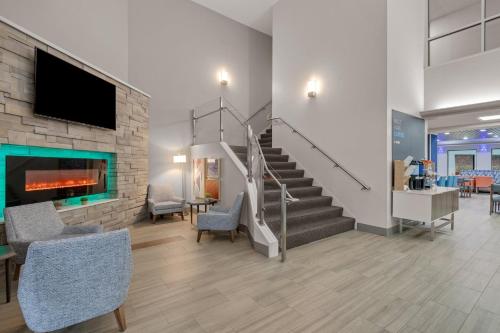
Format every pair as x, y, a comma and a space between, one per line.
162, 200
68, 281
37, 222
221, 219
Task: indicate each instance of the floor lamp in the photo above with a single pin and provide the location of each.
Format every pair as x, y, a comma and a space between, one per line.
181, 159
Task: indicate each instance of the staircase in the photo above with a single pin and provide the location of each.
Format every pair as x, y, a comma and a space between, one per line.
309, 219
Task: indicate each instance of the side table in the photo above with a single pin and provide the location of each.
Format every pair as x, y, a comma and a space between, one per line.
6, 254
198, 203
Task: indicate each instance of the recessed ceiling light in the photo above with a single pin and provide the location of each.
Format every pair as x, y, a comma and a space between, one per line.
494, 117
490, 133
447, 133
466, 138
496, 136
482, 130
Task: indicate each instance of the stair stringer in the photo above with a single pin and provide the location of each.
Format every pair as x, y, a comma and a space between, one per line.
260, 234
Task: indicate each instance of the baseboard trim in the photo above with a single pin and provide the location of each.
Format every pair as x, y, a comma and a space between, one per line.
258, 247
377, 230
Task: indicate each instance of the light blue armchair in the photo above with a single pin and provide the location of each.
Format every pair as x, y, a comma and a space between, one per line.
36, 222
162, 200
221, 219
68, 281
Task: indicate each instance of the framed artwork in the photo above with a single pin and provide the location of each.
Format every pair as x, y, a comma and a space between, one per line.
213, 168
206, 178
199, 178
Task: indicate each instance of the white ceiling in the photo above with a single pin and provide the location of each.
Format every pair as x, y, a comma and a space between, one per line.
462, 117
256, 14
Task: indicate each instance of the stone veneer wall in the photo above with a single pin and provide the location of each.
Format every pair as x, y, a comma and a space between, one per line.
19, 126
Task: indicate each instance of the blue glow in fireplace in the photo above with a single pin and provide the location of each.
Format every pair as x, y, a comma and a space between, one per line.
33, 174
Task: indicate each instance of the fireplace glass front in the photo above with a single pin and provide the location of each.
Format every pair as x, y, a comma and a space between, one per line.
36, 179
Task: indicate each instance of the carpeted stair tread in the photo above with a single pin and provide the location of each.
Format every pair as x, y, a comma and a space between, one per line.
269, 157
305, 216
296, 192
274, 207
300, 234
281, 165
295, 173
265, 150
290, 182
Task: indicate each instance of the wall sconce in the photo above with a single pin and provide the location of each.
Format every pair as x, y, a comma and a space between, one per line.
224, 78
179, 159
312, 88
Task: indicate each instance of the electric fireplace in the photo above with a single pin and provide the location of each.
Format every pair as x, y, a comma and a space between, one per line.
32, 179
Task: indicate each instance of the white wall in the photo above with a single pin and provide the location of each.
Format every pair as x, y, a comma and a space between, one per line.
176, 50
405, 63
93, 30
405, 55
471, 80
343, 45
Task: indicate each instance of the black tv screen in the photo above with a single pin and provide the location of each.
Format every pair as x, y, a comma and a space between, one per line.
64, 91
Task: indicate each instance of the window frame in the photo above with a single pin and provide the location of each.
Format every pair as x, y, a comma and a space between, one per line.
491, 159
482, 22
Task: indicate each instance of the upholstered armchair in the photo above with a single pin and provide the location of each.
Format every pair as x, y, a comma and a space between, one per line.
494, 198
38, 222
221, 219
162, 200
68, 281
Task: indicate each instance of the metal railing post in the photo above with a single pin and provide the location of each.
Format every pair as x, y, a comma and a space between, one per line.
193, 125
260, 194
283, 222
249, 153
221, 125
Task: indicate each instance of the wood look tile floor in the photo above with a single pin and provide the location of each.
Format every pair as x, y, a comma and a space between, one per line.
353, 282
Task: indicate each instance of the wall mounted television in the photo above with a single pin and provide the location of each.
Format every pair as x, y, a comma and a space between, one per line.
67, 92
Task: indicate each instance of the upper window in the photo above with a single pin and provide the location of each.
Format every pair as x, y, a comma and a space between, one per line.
459, 28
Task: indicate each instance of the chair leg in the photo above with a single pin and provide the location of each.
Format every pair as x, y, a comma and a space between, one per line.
231, 235
182, 215
154, 218
17, 272
199, 235
120, 318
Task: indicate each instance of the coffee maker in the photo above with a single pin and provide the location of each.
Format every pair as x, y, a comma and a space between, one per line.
417, 178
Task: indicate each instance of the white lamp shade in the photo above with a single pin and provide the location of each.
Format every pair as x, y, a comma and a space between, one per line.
179, 158
223, 77
312, 88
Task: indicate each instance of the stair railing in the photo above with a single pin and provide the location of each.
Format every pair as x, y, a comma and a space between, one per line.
221, 109
263, 108
285, 196
364, 186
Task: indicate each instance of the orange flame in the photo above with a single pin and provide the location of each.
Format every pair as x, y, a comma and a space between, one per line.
60, 184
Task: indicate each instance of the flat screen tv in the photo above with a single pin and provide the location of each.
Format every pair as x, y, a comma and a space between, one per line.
66, 92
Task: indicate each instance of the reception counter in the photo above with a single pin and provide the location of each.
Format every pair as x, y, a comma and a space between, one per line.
427, 209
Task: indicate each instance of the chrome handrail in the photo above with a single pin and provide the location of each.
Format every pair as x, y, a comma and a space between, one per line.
290, 197
259, 111
364, 187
